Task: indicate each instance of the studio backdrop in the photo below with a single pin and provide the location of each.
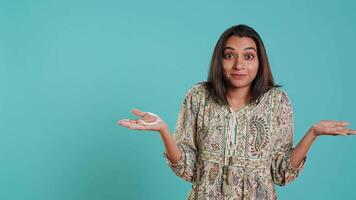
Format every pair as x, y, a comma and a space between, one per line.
69, 70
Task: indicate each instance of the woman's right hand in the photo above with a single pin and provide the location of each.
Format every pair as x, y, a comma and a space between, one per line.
148, 121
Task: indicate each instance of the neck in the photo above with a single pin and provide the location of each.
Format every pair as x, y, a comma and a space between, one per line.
238, 95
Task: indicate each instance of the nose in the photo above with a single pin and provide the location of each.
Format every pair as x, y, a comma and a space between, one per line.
239, 63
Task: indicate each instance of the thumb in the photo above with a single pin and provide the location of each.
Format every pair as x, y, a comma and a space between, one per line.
138, 112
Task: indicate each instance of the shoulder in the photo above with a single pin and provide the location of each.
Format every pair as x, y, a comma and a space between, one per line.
195, 96
198, 90
281, 101
200, 86
279, 95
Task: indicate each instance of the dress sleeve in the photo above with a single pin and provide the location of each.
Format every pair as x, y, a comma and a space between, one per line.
282, 170
185, 137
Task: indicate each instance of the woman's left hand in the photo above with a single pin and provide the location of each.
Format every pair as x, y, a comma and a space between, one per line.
332, 127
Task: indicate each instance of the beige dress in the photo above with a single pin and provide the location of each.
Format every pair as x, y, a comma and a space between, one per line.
235, 155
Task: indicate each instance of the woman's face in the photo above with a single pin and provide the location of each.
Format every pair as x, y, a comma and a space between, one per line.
240, 61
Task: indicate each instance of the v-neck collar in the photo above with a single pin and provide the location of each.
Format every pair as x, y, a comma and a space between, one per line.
247, 107
240, 109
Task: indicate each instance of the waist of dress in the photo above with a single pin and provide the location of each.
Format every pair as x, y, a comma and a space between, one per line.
236, 161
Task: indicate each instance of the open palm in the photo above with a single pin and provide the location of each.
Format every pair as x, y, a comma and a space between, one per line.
332, 127
147, 121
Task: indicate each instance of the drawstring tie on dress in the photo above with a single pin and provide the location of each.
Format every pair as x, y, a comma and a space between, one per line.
229, 152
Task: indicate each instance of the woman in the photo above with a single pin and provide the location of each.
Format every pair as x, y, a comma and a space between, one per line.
234, 133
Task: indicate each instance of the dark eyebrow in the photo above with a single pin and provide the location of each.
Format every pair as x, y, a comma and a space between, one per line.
247, 48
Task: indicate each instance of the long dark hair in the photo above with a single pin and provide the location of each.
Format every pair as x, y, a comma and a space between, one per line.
263, 82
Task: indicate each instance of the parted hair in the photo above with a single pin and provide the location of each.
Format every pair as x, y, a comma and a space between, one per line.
216, 84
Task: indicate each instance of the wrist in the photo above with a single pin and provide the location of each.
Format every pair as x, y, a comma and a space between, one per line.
164, 130
312, 133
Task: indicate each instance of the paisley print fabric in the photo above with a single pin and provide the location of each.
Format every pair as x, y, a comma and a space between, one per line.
230, 154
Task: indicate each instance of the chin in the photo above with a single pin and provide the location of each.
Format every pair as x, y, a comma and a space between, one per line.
239, 85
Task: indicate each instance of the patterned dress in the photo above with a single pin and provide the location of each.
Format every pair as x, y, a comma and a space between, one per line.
234, 155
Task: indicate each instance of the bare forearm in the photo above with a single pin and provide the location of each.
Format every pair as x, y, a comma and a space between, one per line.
173, 152
301, 150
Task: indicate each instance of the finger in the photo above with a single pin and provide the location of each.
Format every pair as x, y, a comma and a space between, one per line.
125, 124
351, 132
346, 131
337, 133
138, 112
133, 121
342, 133
333, 131
342, 123
338, 128
137, 127
123, 120
134, 126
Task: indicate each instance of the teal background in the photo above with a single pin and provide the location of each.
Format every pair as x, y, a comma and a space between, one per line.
69, 70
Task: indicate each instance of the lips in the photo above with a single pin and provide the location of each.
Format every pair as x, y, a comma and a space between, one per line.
238, 76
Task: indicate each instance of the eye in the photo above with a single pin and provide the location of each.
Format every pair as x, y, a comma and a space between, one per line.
228, 56
249, 56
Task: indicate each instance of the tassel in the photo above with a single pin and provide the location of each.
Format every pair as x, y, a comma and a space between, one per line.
227, 181
227, 189
229, 176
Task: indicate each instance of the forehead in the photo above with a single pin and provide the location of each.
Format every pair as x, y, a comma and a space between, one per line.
240, 43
